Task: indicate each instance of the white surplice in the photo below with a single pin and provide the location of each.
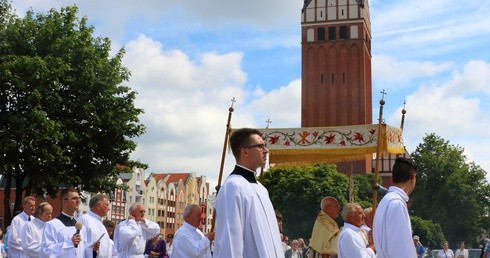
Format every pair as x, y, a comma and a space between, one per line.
93, 230
16, 226
246, 224
351, 243
190, 242
31, 236
392, 230
130, 237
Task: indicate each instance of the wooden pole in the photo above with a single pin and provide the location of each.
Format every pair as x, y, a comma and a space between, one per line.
378, 152
261, 177
403, 116
223, 154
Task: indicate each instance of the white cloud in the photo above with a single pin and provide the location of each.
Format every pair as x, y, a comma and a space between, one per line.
454, 110
185, 104
394, 73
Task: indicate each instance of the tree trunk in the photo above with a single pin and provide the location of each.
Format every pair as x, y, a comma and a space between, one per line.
6, 201
19, 190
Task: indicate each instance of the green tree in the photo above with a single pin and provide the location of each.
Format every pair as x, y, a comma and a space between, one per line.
430, 233
296, 191
65, 117
450, 190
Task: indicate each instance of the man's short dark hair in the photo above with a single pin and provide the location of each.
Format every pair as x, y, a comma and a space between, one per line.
403, 170
64, 192
240, 139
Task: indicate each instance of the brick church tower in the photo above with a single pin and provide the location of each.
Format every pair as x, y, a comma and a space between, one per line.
336, 67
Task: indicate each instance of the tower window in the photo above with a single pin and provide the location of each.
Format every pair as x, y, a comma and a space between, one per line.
331, 33
343, 32
321, 79
333, 78
321, 33
343, 77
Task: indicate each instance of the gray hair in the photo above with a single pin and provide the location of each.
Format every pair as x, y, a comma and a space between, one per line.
348, 209
325, 200
368, 211
133, 206
189, 208
96, 198
40, 209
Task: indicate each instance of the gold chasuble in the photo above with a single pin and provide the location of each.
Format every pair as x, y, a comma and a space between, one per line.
325, 235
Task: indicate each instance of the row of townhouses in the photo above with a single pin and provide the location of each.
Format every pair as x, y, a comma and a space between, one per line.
164, 196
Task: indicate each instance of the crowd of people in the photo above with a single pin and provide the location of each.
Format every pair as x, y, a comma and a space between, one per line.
246, 223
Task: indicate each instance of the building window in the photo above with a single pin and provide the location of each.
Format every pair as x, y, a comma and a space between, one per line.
321, 33
331, 33
343, 34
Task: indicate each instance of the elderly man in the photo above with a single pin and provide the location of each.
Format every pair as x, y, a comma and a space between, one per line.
60, 238
392, 230
33, 231
95, 236
189, 241
131, 234
325, 234
19, 221
246, 224
351, 243
366, 229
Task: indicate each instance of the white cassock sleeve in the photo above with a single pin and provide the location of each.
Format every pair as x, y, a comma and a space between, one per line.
150, 229
352, 246
56, 241
399, 230
246, 224
31, 240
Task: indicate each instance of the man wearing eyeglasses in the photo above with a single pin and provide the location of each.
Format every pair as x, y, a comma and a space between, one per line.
325, 233
246, 224
60, 238
131, 234
96, 238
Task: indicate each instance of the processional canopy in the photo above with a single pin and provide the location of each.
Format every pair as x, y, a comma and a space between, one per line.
331, 144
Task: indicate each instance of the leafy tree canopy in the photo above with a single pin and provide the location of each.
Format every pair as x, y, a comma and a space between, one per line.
296, 191
451, 191
66, 119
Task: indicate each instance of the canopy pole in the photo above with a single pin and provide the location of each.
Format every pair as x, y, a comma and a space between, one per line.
223, 154
378, 152
403, 116
261, 178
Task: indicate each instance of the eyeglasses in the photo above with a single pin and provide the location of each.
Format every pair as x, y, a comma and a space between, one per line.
261, 146
73, 198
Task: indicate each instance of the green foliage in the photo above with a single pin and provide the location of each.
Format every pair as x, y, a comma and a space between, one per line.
450, 190
296, 191
66, 117
430, 233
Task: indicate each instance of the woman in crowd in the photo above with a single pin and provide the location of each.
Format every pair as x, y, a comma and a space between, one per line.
445, 252
461, 252
156, 248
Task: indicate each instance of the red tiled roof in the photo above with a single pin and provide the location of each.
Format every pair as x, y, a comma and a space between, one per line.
159, 177
175, 177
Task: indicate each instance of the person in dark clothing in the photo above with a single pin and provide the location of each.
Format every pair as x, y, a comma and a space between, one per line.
156, 248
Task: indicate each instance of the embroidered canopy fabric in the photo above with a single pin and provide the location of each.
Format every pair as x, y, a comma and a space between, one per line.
330, 144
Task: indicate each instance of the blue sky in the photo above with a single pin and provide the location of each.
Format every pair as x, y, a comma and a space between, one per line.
189, 58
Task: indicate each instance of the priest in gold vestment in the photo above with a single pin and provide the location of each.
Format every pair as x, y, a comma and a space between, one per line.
325, 234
